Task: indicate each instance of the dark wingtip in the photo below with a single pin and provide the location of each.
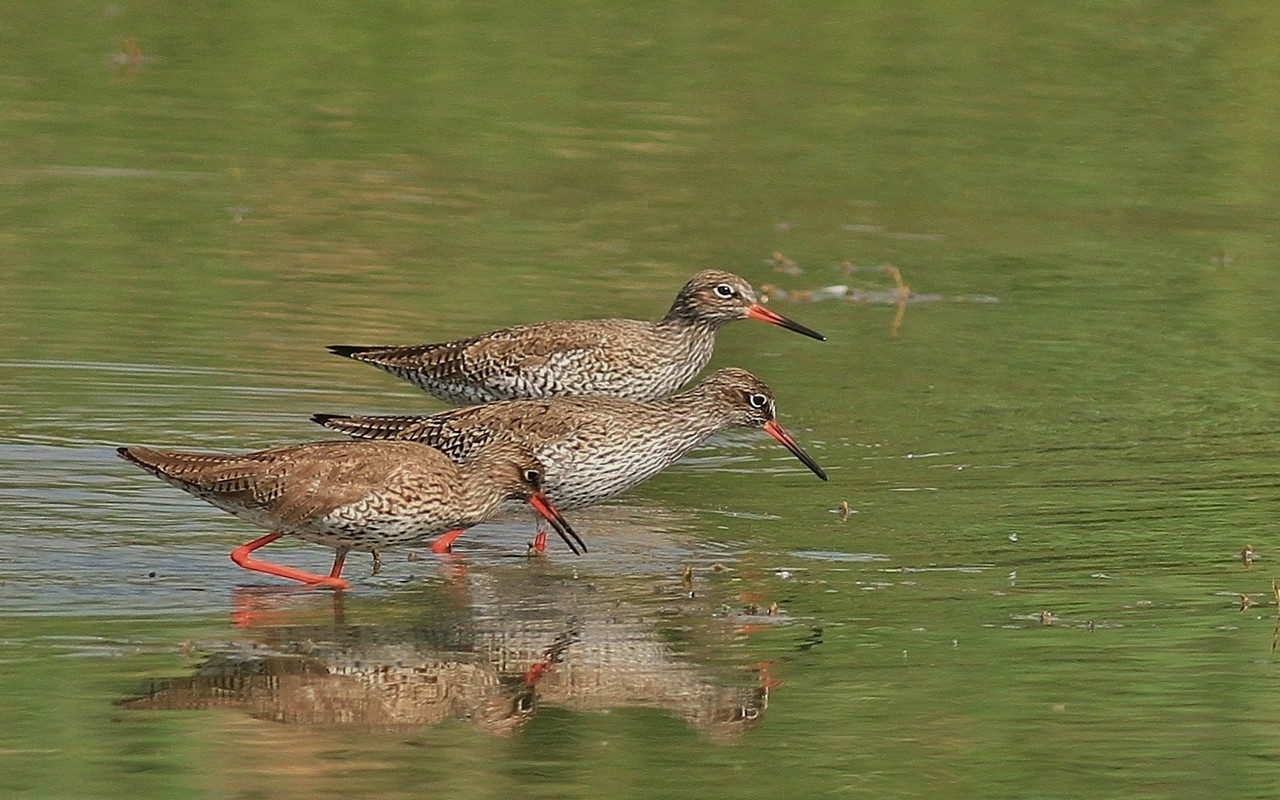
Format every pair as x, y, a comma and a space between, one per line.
323, 419
128, 455
347, 350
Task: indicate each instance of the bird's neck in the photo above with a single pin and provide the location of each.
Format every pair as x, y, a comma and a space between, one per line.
681, 316
698, 411
481, 496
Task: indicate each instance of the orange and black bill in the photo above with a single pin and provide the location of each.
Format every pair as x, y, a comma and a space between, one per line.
780, 433
543, 506
763, 314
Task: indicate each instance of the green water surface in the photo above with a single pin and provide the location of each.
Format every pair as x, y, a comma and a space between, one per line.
1051, 460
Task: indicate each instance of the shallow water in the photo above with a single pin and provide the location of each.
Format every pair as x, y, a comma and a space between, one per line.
1053, 450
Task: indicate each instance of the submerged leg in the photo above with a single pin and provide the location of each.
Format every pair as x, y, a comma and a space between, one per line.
445, 543
339, 558
241, 555
377, 562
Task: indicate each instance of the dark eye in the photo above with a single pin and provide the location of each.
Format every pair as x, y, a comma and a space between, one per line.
757, 400
533, 477
724, 291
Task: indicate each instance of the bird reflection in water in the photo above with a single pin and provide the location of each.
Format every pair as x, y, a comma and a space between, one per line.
523, 641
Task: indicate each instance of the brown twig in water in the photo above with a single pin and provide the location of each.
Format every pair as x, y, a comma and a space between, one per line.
901, 295
900, 303
785, 265
1275, 635
132, 59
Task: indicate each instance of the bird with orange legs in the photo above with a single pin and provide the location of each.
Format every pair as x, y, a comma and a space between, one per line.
593, 448
354, 495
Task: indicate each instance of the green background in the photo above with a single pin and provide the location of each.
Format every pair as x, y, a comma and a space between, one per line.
197, 198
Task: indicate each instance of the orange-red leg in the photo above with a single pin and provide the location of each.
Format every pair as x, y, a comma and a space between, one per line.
241, 555
444, 544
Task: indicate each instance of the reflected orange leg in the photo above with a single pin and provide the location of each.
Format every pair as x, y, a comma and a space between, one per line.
445, 543
765, 675
255, 605
549, 659
241, 555
453, 568
540, 541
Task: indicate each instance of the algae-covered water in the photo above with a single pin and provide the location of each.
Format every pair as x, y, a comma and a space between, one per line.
1047, 401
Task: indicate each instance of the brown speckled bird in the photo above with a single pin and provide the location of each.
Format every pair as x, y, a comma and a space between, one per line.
353, 495
593, 448
612, 357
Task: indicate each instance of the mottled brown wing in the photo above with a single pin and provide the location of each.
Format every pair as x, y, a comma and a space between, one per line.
532, 346
388, 427
296, 483
460, 433
219, 473
309, 481
490, 353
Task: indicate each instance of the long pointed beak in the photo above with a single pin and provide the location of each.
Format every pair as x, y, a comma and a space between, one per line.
780, 433
757, 311
543, 506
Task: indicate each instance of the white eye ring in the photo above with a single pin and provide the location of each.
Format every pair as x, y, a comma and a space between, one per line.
757, 400
724, 291
533, 477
